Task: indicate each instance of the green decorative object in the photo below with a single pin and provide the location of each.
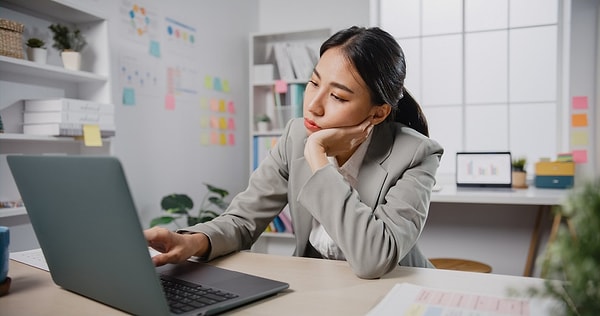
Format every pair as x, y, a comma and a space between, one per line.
573, 257
35, 42
180, 205
518, 164
66, 39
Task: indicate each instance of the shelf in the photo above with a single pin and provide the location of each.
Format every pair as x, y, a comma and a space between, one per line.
271, 83
15, 211
29, 68
40, 138
55, 9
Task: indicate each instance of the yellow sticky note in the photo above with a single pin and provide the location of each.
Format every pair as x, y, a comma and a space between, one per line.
91, 136
579, 138
222, 123
579, 120
222, 139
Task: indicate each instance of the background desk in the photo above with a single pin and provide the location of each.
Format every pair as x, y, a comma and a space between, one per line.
317, 287
542, 199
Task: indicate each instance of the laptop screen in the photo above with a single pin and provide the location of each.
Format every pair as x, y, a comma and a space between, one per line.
483, 169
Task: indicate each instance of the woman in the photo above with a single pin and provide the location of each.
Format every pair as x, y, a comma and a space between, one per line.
357, 170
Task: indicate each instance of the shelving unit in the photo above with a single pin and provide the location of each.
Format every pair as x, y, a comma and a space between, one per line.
21, 79
263, 90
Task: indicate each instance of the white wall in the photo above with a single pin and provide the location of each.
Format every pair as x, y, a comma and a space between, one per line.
281, 16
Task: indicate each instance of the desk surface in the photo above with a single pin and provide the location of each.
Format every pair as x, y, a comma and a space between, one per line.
530, 196
323, 287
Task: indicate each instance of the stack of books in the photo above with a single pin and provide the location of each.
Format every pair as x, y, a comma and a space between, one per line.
66, 117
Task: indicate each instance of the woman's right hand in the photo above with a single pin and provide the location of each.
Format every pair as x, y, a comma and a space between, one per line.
174, 247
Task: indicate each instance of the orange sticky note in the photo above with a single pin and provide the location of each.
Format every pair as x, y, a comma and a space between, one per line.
579, 120
91, 136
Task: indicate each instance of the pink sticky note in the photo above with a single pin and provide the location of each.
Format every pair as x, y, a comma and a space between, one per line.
231, 124
281, 86
231, 107
170, 101
214, 105
214, 138
580, 156
580, 102
231, 139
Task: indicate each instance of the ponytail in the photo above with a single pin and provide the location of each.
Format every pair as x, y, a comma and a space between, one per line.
408, 112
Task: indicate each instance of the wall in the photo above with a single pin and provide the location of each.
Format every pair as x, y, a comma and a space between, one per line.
279, 16
170, 137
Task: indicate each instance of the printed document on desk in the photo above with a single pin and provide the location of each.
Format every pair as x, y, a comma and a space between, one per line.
406, 299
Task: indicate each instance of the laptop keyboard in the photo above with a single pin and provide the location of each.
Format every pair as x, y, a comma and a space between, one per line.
184, 296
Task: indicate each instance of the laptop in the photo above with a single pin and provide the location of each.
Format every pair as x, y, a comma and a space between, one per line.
484, 170
88, 228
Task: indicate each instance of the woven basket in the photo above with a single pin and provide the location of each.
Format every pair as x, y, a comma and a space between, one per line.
11, 38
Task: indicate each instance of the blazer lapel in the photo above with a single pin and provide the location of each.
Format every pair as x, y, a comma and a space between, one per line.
372, 176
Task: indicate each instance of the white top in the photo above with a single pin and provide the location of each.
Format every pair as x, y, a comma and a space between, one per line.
319, 238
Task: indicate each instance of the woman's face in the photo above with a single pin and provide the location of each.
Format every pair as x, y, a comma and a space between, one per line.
335, 96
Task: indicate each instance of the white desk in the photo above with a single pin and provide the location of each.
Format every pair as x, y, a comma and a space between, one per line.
317, 287
545, 199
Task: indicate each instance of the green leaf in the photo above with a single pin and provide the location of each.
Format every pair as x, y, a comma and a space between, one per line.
221, 192
176, 201
218, 202
163, 220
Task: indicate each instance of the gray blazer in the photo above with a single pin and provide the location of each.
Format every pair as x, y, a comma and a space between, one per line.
376, 226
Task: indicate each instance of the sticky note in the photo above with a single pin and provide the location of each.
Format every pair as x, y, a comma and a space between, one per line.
222, 105
204, 139
580, 102
214, 105
222, 139
214, 122
281, 86
222, 123
231, 124
170, 102
580, 156
225, 85
155, 48
579, 120
217, 84
214, 138
128, 96
204, 121
231, 107
231, 139
579, 138
91, 136
203, 104
208, 82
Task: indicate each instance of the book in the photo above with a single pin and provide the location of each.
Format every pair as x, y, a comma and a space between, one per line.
284, 64
302, 62
66, 104
68, 117
295, 98
64, 129
261, 147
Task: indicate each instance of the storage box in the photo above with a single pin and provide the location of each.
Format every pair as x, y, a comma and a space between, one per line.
11, 38
554, 182
554, 174
555, 168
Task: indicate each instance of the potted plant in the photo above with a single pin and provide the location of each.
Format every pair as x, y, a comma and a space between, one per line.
69, 43
262, 123
36, 50
180, 205
519, 175
571, 264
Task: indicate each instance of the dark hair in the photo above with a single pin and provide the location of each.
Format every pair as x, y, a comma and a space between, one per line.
379, 61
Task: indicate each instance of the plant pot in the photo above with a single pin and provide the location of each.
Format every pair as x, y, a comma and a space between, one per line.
71, 60
262, 126
519, 179
37, 54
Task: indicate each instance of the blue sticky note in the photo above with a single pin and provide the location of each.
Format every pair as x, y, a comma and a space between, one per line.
217, 84
155, 48
128, 96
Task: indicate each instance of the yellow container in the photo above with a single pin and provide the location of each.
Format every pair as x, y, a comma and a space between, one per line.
553, 168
